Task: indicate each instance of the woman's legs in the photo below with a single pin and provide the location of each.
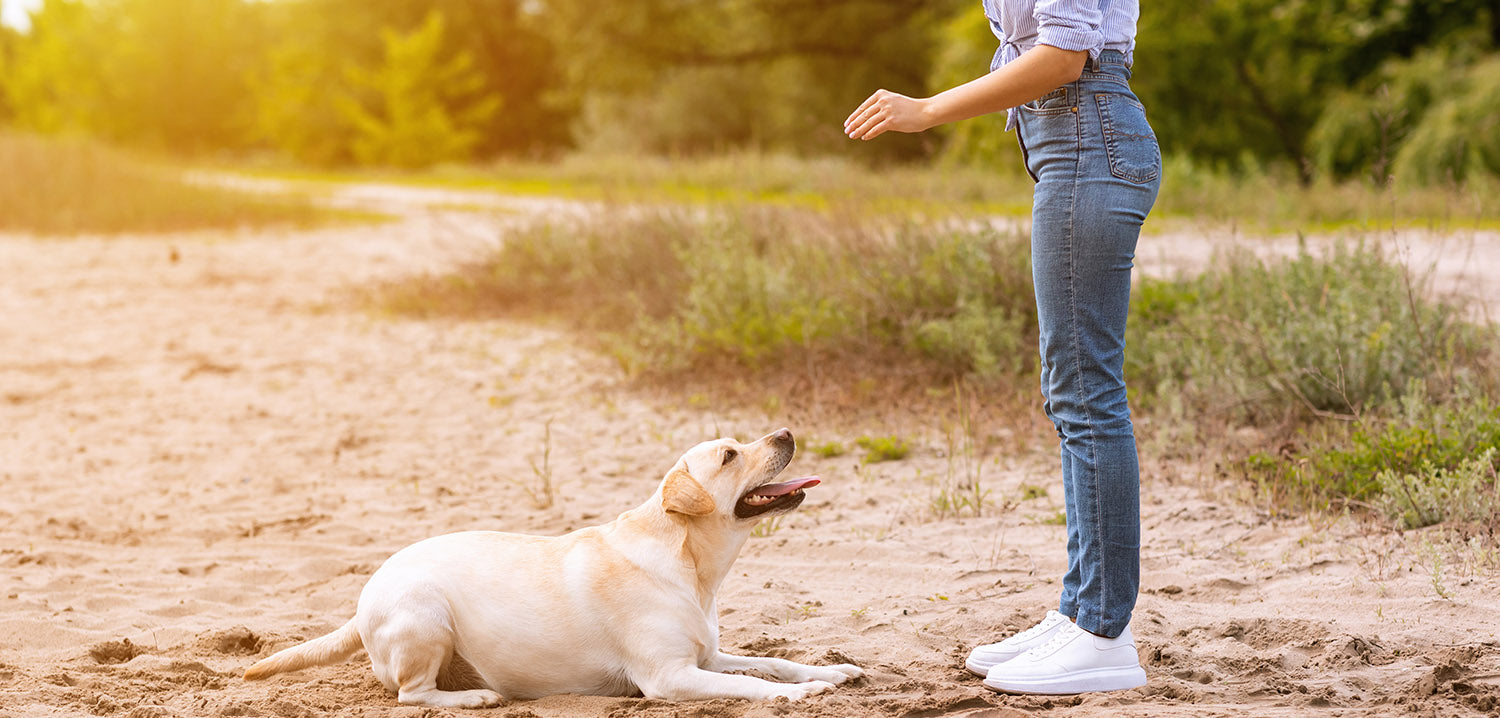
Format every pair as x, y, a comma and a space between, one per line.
1095, 162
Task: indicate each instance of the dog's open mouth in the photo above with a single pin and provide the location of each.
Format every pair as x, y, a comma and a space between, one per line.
781, 496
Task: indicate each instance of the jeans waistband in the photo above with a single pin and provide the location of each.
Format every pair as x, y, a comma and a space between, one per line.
1109, 62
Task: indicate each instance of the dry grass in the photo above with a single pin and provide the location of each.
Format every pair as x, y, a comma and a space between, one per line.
63, 187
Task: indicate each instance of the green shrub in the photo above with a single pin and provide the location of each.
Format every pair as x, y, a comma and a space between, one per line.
1418, 435
671, 290
883, 448
1259, 341
54, 186
1459, 136
828, 449
1468, 492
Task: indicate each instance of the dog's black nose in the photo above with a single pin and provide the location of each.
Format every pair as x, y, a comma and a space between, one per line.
782, 436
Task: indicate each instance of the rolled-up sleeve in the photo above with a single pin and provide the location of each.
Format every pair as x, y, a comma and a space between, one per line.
1070, 25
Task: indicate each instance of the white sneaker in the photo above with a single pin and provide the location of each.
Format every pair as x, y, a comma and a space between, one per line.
985, 657
1071, 661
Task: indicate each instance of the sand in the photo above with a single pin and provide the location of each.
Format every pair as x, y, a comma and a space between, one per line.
207, 446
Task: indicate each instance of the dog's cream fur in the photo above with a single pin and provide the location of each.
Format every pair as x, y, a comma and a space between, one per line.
464, 619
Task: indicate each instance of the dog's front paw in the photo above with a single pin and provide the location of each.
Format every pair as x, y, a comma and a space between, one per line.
831, 674
798, 691
845, 672
481, 699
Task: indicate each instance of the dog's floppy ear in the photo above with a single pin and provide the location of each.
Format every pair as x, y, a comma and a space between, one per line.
682, 494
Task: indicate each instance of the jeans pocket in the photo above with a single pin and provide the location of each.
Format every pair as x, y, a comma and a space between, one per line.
1133, 153
1055, 102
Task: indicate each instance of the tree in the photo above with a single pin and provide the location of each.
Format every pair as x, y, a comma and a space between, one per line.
1224, 79
408, 117
768, 74
52, 82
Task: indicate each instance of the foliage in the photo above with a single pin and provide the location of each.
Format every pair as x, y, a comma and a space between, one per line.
1426, 119
53, 83
1259, 341
1459, 136
883, 448
410, 123
1416, 432
1467, 492
60, 187
1298, 87
663, 75
1232, 79
966, 46
759, 286
828, 449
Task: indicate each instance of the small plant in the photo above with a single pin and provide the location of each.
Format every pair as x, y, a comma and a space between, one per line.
883, 448
1468, 492
1058, 519
828, 449
1432, 556
1032, 491
802, 611
960, 491
542, 492
859, 612
767, 527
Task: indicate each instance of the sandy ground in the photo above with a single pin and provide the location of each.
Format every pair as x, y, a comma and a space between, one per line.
206, 448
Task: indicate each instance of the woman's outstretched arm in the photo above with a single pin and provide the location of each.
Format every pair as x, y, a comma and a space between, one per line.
1035, 73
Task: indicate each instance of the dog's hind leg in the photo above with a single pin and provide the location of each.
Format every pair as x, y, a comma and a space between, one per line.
409, 655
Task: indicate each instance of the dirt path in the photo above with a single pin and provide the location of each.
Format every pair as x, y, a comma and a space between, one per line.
206, 456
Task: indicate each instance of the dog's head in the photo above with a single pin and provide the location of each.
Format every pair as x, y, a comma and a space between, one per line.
735, 482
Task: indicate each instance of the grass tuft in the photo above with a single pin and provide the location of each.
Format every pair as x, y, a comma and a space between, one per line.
883, 448
66, 187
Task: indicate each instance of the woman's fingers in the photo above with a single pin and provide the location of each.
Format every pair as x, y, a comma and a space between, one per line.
866, 120
877, 130
860, 131
863, 106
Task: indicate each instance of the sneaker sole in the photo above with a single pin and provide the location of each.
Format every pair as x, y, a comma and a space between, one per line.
1097, 680
979, 669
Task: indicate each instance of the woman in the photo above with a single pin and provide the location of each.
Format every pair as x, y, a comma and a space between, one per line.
1062, 71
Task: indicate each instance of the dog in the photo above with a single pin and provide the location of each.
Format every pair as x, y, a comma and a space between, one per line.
467, 620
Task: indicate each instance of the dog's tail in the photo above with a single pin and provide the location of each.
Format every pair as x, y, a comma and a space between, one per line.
320, 651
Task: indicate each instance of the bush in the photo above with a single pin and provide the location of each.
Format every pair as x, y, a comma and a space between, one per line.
1468, 492
1262, 341
671, 290
1459, 137
1416, 436
59, 187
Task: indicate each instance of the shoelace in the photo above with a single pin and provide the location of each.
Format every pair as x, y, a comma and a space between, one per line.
1047, 623
1064, 635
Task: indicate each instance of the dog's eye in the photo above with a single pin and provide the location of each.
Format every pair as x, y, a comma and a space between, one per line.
729, 455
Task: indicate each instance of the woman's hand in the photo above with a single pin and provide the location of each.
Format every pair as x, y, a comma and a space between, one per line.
887, 111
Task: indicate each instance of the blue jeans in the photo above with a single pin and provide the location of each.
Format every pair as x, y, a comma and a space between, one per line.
1097, 169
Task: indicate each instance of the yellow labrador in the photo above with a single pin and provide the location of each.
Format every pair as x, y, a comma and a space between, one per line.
628, 607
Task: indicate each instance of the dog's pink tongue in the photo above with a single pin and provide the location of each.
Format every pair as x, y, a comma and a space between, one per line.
787, 487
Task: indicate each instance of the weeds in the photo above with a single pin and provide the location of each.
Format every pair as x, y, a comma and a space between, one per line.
1339, 362
883, 448
667, 291
1468, 493
767, 527
1032, 491
542, 492
960, 491
61, 187
828, 449
1327, 337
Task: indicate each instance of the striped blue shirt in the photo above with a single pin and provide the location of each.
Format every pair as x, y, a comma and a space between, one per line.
1092, 25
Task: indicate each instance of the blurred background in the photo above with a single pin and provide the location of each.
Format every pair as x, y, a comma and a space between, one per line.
1336, 90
